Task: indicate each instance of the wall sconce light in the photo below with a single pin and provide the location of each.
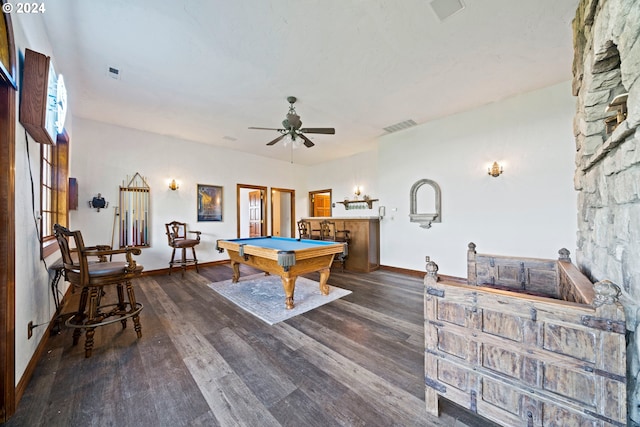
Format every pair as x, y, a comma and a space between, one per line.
495, 170
174, 185
357, 190
98, 202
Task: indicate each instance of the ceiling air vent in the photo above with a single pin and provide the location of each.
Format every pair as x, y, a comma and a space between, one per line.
400, 126
113, 72
445, 8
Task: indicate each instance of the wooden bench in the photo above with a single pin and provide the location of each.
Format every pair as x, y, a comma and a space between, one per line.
526, 342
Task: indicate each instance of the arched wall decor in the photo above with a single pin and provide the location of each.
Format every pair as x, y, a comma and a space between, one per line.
425, 219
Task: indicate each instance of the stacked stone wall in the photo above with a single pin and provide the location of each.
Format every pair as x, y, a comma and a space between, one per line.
607, 64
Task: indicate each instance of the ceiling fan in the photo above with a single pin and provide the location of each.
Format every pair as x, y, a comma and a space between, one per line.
292, 126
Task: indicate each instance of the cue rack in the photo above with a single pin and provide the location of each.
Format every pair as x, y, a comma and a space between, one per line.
134, 212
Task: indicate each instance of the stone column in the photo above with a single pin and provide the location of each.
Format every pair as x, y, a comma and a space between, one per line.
607, 178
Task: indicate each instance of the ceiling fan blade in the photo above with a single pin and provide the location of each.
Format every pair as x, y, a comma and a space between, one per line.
328, 131
277, 139
279, 130
307, 141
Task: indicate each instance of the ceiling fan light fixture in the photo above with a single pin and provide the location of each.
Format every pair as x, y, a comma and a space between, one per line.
291, 139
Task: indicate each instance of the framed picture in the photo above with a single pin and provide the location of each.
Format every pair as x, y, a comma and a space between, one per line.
209, 202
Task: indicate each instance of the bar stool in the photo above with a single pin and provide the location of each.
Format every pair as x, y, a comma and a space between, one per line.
177, 235
329, 232
92, 278
304, 229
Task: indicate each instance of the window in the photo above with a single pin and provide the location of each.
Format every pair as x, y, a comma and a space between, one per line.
48, 190
54, 174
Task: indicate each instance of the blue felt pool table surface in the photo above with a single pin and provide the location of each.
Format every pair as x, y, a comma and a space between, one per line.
281, 243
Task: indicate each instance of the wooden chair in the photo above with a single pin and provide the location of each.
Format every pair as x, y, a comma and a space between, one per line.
304, 229
92, 278
329, 232
177, 237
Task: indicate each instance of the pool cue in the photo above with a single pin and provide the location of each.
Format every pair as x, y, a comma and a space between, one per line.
113, 229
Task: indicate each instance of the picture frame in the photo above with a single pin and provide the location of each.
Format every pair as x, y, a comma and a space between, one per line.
209, 202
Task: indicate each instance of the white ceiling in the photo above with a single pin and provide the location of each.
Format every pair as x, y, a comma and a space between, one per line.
206, 70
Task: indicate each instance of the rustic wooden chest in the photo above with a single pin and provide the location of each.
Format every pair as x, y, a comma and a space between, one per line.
526, 342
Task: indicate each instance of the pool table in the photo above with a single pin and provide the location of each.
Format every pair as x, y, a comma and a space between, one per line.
286, 257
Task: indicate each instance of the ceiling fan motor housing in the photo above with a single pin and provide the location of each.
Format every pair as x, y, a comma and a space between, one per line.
292, 122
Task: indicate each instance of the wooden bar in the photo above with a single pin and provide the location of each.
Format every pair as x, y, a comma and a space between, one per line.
364, 246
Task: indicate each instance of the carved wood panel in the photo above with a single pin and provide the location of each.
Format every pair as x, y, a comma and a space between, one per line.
524, 360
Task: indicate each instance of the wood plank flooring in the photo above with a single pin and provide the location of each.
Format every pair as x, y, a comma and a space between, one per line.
202, 361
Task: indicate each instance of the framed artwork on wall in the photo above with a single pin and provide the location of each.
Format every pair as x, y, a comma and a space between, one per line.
209, 202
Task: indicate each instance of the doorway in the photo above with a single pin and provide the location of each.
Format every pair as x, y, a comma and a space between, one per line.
250, 209
283, 212
320, 203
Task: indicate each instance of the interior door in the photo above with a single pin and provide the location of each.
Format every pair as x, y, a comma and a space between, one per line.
251, 213
283, 212
255, 214
320, 203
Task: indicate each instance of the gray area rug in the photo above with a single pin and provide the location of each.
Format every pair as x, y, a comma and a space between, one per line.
263, 296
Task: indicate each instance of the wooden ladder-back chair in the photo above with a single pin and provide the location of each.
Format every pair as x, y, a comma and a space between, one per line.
177, 236
304, 229
92, 278
329, 232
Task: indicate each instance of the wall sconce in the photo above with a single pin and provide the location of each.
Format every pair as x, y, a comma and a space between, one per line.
173, 185
98, 202
495, 170
357, 190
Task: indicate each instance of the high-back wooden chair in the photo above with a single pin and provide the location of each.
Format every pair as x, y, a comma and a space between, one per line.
177, 237
304, 229
92, 278
329, 232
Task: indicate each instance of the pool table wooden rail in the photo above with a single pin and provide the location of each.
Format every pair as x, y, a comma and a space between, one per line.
272, 254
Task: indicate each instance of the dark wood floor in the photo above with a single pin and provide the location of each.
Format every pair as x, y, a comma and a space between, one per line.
357, 361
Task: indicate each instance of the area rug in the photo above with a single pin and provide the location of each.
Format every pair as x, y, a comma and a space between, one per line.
263, 296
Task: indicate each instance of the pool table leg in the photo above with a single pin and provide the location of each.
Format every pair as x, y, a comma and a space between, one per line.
236, 271
324, 276
289, 285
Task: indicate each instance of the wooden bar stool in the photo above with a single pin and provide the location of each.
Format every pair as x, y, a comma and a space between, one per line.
304, 229
177, 236
92, 278
329, 232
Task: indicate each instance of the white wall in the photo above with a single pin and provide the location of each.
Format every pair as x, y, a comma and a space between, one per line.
285, 214
244, 211
341, 176
528, 211
103, 156
33, 299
